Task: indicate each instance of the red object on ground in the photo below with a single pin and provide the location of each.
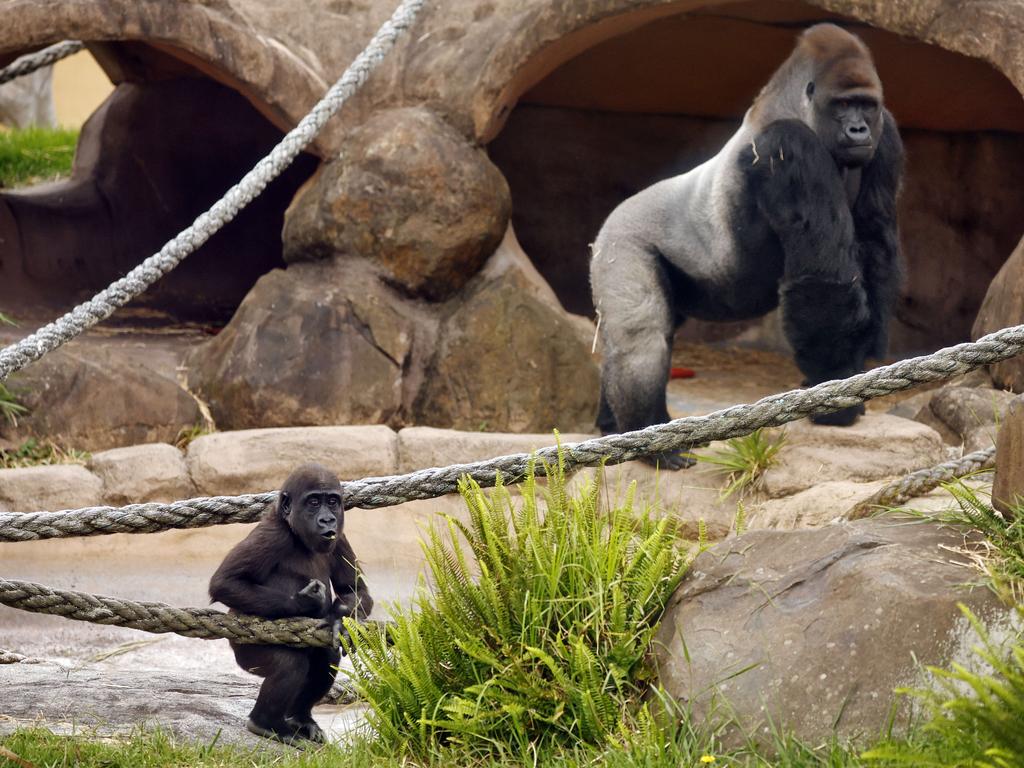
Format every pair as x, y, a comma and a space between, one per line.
681, 373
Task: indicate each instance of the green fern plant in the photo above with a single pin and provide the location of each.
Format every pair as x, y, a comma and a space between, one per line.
744, 460
976, 717
537, 630
10, 408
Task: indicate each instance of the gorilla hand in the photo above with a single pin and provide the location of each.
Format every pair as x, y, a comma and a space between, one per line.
311, 600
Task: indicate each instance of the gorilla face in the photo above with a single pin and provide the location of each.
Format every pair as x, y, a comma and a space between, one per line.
310, 504
849, 122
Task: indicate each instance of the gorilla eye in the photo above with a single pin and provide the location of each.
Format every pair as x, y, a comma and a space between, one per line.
314, 501
333, 501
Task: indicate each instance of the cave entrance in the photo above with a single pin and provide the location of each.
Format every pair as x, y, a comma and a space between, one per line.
166, 143
660, 99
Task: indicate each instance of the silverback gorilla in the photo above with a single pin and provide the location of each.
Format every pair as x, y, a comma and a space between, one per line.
286, 567
797, 210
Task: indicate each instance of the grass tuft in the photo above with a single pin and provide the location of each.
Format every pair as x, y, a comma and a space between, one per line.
10, 408
34, 155
36, 453
744, 460
537, 631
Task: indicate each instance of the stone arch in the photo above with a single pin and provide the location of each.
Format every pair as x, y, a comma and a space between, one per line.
199, 98
602, 111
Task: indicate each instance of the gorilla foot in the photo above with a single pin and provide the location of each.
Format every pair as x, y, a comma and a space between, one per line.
282, 732
306, 729
672, 460
843, 418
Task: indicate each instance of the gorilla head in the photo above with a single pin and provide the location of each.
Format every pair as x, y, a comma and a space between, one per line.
310, 504
843, 93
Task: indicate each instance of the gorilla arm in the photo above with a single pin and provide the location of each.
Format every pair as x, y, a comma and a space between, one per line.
874, 218
246, 582
352, 597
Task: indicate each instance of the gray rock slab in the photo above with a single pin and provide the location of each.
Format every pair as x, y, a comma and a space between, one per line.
422, 447
818, 627
140, 473
254, 460
877, 446
819, 505
52, 488
198, 707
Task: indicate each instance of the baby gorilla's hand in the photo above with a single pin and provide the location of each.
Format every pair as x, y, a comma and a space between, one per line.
311, 600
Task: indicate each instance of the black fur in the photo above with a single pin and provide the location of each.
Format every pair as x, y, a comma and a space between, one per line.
808, 224
287, 566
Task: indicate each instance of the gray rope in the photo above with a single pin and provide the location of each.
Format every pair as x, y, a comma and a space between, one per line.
376, 492
102, 305
30, 62
919, 483
205, 623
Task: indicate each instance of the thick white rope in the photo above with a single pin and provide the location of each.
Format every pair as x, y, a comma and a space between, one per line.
376, 492
102, 305
30, 62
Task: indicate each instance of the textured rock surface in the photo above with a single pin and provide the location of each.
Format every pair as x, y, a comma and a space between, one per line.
205, 708
877, 446
61, 486
1008, 484
322, 343
410, 194
965, 409
254, 460
831, 621
139, 473
422, 447
509, 358
100, 397
814, 507
1004, 306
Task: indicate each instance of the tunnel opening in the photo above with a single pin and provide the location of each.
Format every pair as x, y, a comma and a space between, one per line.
167, 142
662, 98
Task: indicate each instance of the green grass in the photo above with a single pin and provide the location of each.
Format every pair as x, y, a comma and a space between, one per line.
744, 460
536, 632
675, 745
10, 408
36, 453
33, 155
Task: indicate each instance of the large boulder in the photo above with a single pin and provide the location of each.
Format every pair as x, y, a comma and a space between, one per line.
509, 358
255, 460
409, 193
60, 486
813, 630
1003, 307
93, 396
140, 473
319, 343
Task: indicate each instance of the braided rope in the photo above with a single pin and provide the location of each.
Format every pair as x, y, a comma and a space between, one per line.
376, 492
103, 304
205, 623
919, 483
30, 62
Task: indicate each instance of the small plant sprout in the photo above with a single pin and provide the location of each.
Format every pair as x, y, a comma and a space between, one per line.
10, 408
744, 460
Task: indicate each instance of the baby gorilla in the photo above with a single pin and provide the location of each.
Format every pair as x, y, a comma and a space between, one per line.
286, 567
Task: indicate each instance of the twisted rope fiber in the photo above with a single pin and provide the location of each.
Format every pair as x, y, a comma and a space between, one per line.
102, 305
376, 492
30, 62
921, 482
205, 623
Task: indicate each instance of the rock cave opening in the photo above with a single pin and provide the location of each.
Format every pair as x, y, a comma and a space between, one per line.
167, 142
661, 98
